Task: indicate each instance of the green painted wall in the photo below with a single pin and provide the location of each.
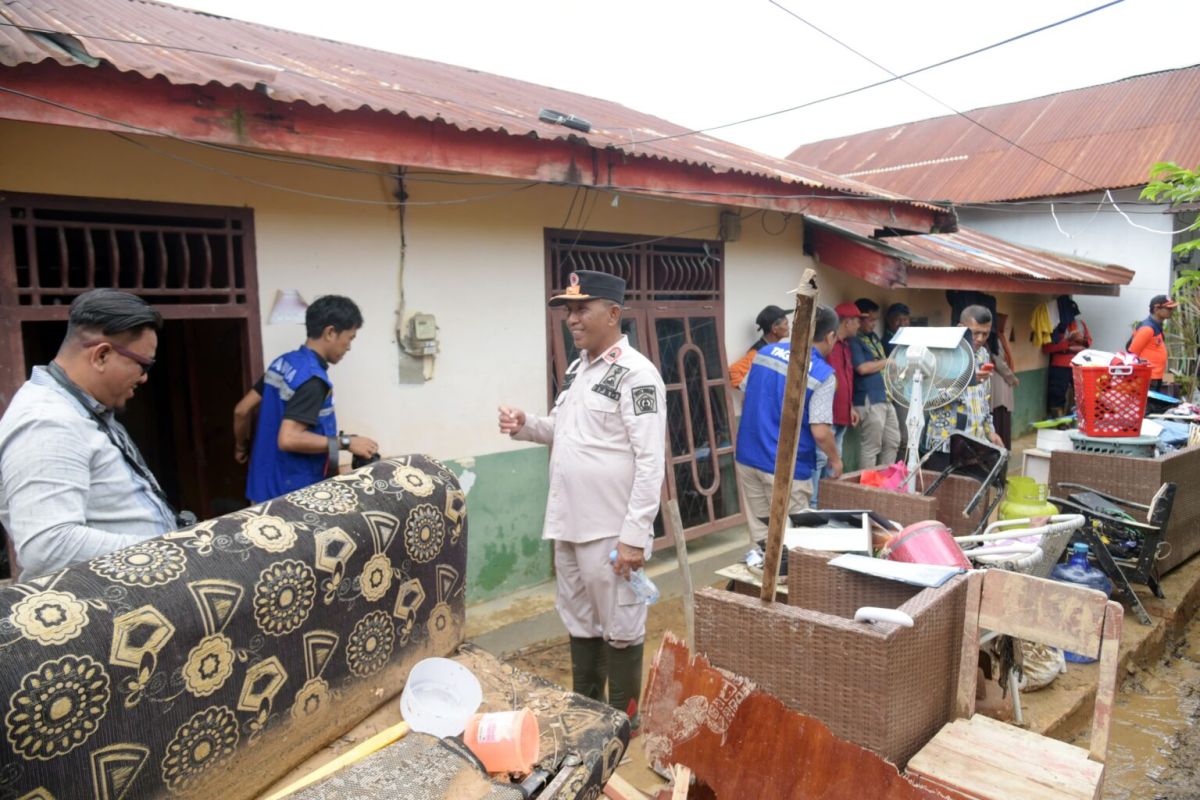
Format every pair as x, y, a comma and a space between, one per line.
1030, 399
506, 504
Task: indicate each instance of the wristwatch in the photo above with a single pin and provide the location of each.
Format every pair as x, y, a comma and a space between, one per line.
344, 441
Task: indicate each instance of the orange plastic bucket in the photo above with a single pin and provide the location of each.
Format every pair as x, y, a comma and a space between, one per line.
505, 741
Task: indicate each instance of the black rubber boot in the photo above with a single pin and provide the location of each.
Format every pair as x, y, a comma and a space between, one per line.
625, 681
589, 667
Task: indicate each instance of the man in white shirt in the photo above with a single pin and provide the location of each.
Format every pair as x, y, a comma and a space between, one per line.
73, 485
608, 431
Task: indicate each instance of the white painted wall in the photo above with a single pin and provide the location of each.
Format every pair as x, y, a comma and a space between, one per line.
479, 267
1105, 237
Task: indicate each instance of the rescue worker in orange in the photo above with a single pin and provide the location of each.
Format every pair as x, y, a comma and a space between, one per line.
1147, 342
608, 430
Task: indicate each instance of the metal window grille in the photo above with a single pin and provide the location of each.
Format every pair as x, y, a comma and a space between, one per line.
62, 247
675, 316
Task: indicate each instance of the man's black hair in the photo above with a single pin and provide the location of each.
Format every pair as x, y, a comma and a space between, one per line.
827, 322
866, 305
977, 314
767, 318
331, 309
109, 312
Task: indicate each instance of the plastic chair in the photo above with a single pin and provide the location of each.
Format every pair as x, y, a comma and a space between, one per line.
976, 756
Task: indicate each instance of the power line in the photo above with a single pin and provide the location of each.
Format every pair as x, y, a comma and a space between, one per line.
884, 82
940, 102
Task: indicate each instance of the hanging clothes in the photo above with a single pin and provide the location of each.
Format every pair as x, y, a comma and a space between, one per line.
1042, 333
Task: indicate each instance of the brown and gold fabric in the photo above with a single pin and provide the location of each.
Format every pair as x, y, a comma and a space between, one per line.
208, 661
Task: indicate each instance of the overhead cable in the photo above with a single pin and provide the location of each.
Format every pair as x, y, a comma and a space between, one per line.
884, 82
940, 102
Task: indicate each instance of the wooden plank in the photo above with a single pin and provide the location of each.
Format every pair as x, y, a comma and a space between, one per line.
618, 788
1043, 611
683, 781
743, 743
968, 664
675, 525
794, 393
987, 758
1110, 652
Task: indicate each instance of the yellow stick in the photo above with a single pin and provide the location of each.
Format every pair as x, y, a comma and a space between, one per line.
357, 753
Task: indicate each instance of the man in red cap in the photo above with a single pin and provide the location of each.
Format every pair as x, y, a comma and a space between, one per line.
1147, 342
842, 361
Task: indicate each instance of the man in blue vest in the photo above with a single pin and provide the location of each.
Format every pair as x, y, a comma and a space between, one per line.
296, 441
758, 433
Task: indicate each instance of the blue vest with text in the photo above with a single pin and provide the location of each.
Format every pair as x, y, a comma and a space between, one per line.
274, 472
758, 432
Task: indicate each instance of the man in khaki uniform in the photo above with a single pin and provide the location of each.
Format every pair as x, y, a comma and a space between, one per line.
608, 430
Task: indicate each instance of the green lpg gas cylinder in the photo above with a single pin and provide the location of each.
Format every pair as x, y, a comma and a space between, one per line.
1025, 497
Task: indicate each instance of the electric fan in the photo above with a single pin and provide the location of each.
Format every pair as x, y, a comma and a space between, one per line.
928, 369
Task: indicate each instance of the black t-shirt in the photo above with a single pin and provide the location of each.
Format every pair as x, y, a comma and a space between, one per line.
305, 405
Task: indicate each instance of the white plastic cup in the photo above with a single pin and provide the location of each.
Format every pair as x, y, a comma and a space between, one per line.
439, 697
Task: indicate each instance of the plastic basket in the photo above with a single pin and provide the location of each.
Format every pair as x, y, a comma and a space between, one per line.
1111, 400
1135, 446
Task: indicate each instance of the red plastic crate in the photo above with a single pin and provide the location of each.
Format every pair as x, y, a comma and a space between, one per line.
1111, 400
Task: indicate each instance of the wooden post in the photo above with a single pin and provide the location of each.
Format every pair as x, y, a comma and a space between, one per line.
789, 427
675, 526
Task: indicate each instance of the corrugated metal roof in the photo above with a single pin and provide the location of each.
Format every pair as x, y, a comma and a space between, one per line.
975, 252
192, 48
1105, 136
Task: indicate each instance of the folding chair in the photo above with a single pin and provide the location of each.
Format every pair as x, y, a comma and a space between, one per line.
977, 758
1126, 549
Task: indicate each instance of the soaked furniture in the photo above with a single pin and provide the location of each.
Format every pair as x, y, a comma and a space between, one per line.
1127, 550
581, 743
211, 661
979, 758
1139, 479
880, 685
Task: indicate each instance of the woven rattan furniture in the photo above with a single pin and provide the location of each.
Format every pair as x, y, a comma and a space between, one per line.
879, 685
945, 505
978, 757
1138, 479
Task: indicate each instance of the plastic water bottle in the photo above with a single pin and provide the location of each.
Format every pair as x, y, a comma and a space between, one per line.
1078, 571
641, 584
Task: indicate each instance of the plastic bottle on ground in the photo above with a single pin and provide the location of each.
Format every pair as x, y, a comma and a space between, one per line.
1078, 571
641, 584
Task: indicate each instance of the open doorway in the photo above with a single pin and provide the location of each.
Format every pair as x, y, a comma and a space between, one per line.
182, 418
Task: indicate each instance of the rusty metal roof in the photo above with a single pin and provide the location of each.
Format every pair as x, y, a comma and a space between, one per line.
193, 48
971, 251
1105, 136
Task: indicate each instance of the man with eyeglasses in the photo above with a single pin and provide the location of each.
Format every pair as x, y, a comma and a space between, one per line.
971, 411
73, 485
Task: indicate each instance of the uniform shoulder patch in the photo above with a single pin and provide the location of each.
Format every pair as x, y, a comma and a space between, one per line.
610, 384
645, 400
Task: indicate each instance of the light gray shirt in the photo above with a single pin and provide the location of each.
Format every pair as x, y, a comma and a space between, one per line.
67, 493
820, 405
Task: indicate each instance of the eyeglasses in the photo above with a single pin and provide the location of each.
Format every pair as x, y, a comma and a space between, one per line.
137, 358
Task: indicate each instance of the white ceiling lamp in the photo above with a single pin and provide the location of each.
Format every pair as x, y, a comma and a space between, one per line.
289, 308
